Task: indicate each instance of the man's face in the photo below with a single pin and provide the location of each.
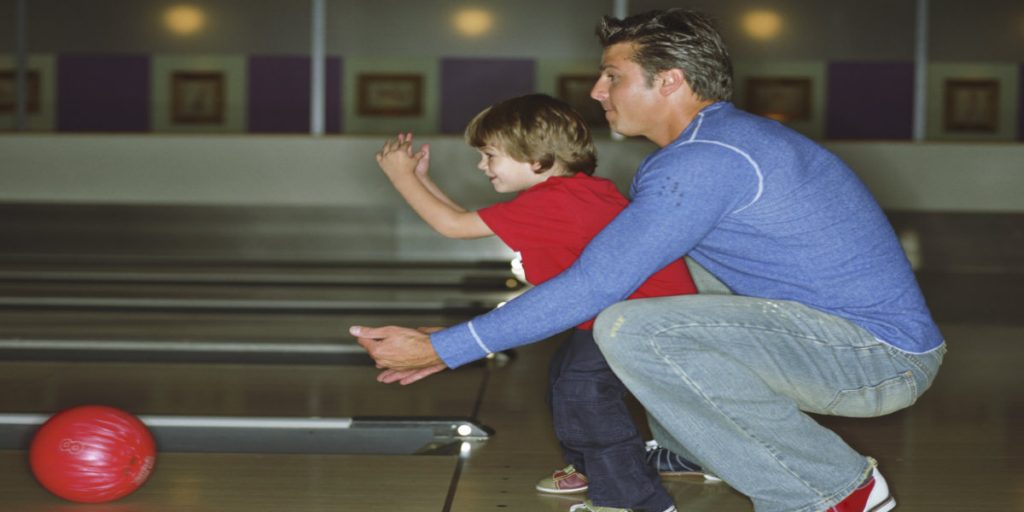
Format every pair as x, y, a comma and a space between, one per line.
628, 101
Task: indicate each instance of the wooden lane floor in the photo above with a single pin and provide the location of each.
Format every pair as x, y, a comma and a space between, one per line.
246, 481
956, 450
233, 482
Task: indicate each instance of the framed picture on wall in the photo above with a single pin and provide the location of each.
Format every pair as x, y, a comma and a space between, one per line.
9, 91
390, 95
197, 97
972, 105
575, 90
783, 99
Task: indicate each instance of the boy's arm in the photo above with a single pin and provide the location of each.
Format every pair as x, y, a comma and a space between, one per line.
438, 193
446, 217
422, 170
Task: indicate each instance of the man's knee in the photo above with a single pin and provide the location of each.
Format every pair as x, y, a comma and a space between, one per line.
608, 325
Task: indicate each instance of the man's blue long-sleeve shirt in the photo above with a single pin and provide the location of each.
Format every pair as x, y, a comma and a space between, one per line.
767, 211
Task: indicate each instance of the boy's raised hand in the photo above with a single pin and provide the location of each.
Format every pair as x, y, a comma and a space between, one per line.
396, 157
424, 164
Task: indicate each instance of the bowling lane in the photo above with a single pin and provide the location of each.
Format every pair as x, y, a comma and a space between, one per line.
231, 482
266, 286
212, 325
232, 389
202, 336
246, 481
467, 275
256, 312
231, 296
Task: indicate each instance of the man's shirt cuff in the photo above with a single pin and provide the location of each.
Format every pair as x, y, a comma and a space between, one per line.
458, 345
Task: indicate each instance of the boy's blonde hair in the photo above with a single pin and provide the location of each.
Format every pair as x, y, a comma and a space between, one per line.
536, 128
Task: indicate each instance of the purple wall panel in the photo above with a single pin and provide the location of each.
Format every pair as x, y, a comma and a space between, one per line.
870, 100
102, 93
1020, 105
470, 85
279, 94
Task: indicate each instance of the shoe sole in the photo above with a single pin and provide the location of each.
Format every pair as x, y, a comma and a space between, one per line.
549, 490
885, 506
705, 476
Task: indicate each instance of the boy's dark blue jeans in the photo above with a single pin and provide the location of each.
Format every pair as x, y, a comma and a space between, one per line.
597, 432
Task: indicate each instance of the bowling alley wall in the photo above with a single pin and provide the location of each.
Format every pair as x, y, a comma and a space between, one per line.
207, 103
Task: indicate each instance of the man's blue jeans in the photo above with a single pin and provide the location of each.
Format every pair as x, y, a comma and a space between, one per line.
726, 380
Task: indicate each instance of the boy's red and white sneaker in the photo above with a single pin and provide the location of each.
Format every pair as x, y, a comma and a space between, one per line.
564, 481
872, 496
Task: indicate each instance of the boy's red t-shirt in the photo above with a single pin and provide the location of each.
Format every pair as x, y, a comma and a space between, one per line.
550, 223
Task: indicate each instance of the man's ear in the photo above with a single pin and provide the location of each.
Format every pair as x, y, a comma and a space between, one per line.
671, 80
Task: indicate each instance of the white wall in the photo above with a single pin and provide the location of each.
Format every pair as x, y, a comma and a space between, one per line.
950, 177
340, 170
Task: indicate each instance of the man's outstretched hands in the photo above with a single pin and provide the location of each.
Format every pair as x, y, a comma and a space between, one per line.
408, 376
406, 355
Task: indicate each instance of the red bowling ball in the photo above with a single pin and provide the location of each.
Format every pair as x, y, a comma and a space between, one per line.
92, 454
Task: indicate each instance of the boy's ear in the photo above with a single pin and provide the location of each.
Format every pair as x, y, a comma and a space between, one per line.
535, 166
671, 80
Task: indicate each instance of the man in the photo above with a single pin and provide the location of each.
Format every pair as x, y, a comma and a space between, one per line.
826, 318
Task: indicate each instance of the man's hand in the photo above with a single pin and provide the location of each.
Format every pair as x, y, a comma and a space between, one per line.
409, 376
405, 355
405, 377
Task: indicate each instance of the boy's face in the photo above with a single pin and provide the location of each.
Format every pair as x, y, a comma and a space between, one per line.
506, 173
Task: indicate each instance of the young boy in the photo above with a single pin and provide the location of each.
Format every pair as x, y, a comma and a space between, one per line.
541, 148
